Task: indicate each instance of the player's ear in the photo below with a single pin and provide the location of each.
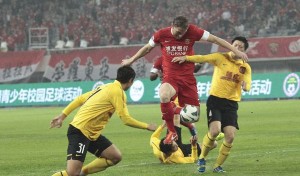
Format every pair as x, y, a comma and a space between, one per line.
131, 80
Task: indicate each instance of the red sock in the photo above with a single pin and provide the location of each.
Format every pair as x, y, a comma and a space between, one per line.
168, 115
177, 110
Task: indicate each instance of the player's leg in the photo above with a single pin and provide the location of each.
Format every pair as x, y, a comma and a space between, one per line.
77, 149
229, 126
107, 155
225, 148
166, 92
214, 122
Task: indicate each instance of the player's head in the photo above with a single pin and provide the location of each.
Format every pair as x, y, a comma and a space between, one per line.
179, 26
241, 43
125, 75
168, 148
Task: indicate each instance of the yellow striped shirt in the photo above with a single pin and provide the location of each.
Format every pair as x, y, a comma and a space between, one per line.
98, 106
228, 74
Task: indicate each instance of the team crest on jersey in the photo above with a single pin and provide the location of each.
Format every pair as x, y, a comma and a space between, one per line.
242, 70
187, 41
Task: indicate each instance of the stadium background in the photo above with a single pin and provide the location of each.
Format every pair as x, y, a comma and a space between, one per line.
81, 41
36, 35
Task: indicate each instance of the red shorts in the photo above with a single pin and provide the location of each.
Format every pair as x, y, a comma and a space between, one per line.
186, 90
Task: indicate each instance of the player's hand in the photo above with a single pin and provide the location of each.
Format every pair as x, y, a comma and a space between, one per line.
180, 59
194, 140
242, 55
126, 62
151, 127
57, 121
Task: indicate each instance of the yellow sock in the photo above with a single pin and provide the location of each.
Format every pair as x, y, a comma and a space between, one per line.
224, 151
97, 165
207, 144
62, 173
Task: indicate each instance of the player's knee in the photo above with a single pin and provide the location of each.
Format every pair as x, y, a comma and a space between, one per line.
116, 158
164, 99
71, 172
215, 133
229, 137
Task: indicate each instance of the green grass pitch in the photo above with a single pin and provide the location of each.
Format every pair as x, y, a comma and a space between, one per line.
267, 144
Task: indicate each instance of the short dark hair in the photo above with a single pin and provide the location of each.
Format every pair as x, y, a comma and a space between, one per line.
242, 39
124, 74
181, 22
165, 148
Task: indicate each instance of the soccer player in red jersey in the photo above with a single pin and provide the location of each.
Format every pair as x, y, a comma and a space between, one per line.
178, 79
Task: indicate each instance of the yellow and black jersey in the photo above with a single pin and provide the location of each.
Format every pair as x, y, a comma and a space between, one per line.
176, 157
228, 74
98, 106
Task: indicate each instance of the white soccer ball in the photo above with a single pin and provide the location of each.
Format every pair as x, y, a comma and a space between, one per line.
189, 113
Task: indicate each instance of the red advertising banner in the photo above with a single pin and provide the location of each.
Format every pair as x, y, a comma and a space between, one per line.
19, 65
96, 64
275, 47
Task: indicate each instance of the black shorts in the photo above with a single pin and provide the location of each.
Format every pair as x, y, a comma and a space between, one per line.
79, 145
223, 110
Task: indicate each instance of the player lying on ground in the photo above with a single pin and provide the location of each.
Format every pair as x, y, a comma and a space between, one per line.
176, 152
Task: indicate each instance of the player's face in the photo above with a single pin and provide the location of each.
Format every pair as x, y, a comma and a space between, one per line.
178, 32
239, 45
128, 85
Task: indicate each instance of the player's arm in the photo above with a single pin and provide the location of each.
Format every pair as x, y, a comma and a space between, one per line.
180, 160
155, 137
210, 58
153, 76
194, 148
246, 83
157, 132
77, 102
142, 52
118, 100
221, 42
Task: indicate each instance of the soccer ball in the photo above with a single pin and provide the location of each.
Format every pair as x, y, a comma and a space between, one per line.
189, 113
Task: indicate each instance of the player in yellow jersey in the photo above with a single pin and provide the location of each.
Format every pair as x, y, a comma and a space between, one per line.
230, 76
176, 152
85, 131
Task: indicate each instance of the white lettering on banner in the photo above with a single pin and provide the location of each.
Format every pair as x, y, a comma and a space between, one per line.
49, 95
39, 95
23, 95
4, 96
203, 88
13, 96
259, 87
59, 94
156, 91
31, 95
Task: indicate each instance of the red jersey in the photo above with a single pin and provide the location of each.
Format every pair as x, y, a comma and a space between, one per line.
172, 47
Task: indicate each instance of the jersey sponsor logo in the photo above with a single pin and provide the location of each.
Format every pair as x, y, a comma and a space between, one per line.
242, 70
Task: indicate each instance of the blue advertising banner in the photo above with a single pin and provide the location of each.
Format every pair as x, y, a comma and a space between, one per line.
264, 86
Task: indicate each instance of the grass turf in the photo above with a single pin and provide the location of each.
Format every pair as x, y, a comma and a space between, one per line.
267, 143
